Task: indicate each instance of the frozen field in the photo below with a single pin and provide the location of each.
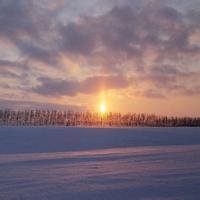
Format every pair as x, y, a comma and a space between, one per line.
99, 164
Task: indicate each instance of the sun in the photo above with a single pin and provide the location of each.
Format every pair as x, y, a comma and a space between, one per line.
103, 108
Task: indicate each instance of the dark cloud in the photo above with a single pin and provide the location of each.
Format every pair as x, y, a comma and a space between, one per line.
165, 70
149, 42
56, 87
6, 73
169, 80
121, 33
12, 64
48, 56
124, 34
15, 70
28, 26
14, 17
169, 13
110, 36
78, 39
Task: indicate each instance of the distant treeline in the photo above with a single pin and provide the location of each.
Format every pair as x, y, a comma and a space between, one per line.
69, 118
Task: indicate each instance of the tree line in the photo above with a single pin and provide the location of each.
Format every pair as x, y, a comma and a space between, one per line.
91, 119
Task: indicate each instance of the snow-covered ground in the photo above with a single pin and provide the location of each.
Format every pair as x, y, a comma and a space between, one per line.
99, 164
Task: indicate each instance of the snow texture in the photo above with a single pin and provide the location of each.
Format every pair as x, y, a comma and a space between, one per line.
99, 164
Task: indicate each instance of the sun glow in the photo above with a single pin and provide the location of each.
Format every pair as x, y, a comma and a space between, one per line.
103, 108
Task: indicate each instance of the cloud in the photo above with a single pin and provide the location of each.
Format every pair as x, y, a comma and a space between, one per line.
152, 94
6, 73
56, 87
123, 34
27, 26
14, 17
9, 104
169, 80
12, 64
120, 34
90, 85
146, 42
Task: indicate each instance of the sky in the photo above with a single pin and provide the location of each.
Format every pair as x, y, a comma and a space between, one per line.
135, 55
